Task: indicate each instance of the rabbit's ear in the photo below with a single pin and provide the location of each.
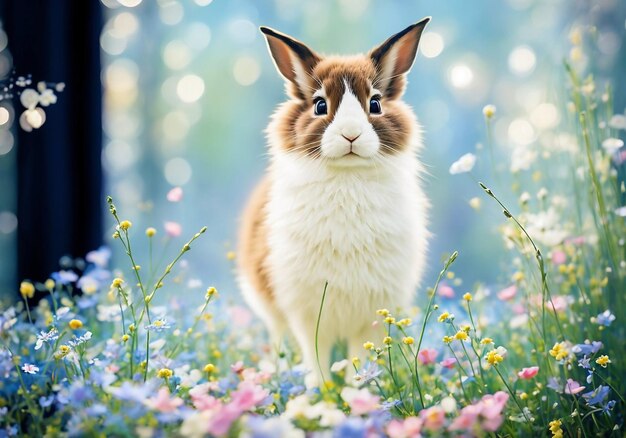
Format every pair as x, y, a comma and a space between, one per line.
293, 59
394, 58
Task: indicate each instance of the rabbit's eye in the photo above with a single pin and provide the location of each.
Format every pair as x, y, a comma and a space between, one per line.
375, 106
320, 107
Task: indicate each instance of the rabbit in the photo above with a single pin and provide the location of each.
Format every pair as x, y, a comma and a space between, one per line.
340, 212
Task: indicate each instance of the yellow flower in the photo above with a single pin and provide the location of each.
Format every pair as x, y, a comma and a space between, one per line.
603, 360
116, 235
461, 335
27, 289
210, 292
390, 320
356, 361
489, 111
383, 312
165, 373
230, 255
494, 358
466, 328
210, 368
518, 276
443, 317
63, 351
559, 352
485, 341
125, 338
408, 340
131, 328
387, 340
368, 345
555, 428
49, 284
117, 282
125, 225
75, 324
216, 354
448, 339
467, 297
404, 322
150, 232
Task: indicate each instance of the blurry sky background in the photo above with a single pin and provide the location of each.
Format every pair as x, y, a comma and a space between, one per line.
189, 89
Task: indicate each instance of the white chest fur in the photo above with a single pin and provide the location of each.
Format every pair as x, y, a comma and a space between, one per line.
361, 230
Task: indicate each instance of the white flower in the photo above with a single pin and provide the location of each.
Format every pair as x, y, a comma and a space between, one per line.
29, 98
60, 86
545, 227
612, 144
489, 111
542, 193
47, 97
30, 368
50, 336
522, 158
618, 121
524, 198
464, 164
338, 366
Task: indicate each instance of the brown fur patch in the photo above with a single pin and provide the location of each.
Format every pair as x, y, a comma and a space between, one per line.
300, 130
253, 247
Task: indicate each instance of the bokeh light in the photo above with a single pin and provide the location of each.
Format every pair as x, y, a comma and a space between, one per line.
522, 60
246, 70
177, 171
460, 76
190, 88
431, 44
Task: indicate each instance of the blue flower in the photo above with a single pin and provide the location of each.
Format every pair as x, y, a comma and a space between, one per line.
353, 427
605, 318
46, 402
608, 407
389, 405
553, 383
368, 373
587, 349
597, 396
99, 257
64, 277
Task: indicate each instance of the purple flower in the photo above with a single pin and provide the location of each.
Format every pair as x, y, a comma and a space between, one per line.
584, 363
597, 396
587, 349
46, 402
553, 383
605, 318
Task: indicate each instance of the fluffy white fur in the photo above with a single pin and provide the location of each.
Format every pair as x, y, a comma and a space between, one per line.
356, 222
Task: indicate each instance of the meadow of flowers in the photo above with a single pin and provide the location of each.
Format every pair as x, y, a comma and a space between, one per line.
93, 352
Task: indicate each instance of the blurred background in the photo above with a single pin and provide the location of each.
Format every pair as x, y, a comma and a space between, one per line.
165, 93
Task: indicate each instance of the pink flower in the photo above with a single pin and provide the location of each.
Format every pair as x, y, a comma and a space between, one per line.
409, 428
445, 291
173, 229
448, 362
163, 403
244, 398
467, 418
558, 257
237, 367
573, 387
201, 399
361, 401
528, 373
434, 418
491, 412
30, 368
247, 395
507, 293
175, 195
427, 356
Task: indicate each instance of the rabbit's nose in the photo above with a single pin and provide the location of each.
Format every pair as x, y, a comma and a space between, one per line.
351, 133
